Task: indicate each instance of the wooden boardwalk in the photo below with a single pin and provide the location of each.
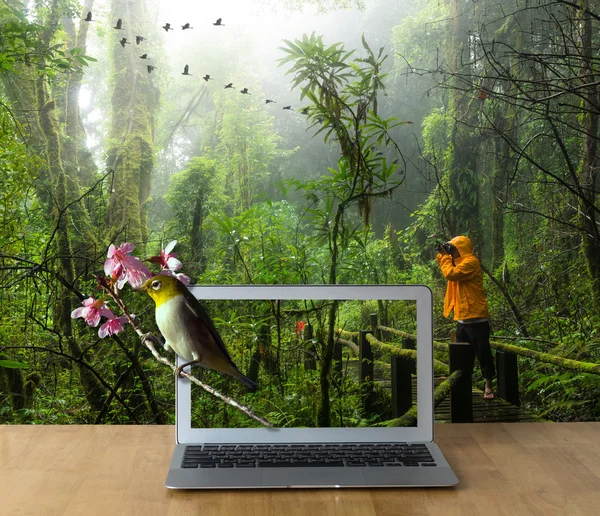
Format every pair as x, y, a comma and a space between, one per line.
484, 411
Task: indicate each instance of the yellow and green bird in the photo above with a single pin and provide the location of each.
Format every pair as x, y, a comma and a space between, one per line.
188, 329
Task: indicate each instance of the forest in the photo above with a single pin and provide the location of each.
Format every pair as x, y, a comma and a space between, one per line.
291, 142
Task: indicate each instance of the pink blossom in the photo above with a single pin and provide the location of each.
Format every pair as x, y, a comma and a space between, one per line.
180, 276
112, 326
91, 311
122, 267
167, 259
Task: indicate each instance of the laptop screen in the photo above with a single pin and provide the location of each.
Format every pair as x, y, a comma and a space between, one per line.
323, 357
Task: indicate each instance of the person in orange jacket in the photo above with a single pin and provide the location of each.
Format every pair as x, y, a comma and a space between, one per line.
465, 296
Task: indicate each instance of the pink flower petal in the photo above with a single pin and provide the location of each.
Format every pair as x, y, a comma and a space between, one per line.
126, 247
186, 280
78, 312
174, 264
170, 246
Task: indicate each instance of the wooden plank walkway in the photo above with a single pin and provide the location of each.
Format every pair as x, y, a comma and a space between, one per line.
484, 411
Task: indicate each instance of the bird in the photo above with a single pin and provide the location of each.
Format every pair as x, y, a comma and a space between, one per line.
320, 119
186, 26
188, 329
144, 56
186, 70
119, 24
304, 111
207, 78
167, 27
139, 39
150, 68
88, 18
218, 22
230, 85
269, 101
245, 91
288, 107
124, 42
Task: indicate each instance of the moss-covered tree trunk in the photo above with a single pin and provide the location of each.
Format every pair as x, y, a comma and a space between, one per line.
62, 195
461, 174
134, 103
589, 152
79, 162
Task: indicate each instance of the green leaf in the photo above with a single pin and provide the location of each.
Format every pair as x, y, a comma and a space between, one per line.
12, 364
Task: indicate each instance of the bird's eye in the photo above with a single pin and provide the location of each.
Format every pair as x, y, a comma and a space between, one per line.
156, 285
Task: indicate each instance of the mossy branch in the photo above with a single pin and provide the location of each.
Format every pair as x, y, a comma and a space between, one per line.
410, 354
565, 363
409, 418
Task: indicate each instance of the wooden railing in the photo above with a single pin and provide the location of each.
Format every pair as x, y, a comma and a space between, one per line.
458, 385
403, 367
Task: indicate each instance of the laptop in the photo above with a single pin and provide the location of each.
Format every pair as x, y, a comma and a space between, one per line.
277, 333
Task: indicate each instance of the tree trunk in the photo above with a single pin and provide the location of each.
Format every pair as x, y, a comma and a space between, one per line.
461, 176
589, 160
131, 157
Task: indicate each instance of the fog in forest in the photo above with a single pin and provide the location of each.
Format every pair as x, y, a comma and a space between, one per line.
293, 142
245, 52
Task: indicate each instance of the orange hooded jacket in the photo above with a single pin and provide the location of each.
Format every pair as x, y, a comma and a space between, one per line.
465, 293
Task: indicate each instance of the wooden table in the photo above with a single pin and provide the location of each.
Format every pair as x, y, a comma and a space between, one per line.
508, 469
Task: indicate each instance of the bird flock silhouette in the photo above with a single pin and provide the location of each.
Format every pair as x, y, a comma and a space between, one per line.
186, 69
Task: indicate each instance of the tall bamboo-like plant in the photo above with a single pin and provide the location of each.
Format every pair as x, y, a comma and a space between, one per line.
344, 109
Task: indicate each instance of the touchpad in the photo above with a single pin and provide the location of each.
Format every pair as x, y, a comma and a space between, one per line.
309, 477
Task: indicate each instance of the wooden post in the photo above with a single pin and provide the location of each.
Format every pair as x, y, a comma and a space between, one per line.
310, 361
337, 356
376, 333
374, 330
461, 395
508, 376
401, 385
365, 371
408, 343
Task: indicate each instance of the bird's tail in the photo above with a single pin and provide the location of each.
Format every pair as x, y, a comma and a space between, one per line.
252, 385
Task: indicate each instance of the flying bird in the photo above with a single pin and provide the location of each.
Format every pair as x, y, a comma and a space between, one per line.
304, 111
230, 85
150, 68
245, 91
167, 27
186, 70
119, 24
88, 18
269, 101
218, 23
320, 120
144, 56
288, 107
124, 42
186, 26
207, 78
139, 39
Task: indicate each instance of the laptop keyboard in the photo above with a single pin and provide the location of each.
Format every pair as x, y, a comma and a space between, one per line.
306, 455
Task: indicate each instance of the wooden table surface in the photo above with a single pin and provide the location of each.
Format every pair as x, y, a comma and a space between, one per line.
504, 468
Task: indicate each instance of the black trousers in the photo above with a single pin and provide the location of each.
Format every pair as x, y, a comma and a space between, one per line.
478, 335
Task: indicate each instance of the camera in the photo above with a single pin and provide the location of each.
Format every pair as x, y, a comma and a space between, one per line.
443, 247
